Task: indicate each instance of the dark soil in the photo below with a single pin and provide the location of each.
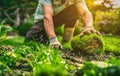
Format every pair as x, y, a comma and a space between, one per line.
76, 59
71, 57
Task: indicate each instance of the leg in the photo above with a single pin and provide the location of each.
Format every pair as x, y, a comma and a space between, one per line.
68, 16
36, 33
68, 34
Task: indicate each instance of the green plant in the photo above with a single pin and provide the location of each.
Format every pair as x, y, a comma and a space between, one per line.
108, 21
77, 30
3, 30
59, 30
49, 70
114, 61
24, 27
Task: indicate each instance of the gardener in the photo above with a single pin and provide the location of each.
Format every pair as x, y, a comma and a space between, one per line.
65, 12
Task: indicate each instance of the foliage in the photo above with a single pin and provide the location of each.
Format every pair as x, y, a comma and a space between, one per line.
49, 70
18, 58
30, 59
77, 30
3, 31
109, 19
25, 27
59, 30
114, 60
27, 59
17, 11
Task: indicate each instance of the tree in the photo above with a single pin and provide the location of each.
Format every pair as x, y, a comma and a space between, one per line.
17, 11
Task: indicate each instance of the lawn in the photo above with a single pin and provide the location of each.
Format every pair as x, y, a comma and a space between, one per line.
35, 59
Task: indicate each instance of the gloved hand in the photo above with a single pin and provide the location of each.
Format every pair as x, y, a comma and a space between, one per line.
89, 30
55, 43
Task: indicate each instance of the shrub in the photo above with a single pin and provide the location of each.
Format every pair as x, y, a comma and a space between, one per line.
107, 22
24, 27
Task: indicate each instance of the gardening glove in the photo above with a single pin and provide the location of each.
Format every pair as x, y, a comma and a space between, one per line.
89, 30
68, 34
55, 43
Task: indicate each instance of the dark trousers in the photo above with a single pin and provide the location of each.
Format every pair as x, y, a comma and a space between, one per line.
68, 16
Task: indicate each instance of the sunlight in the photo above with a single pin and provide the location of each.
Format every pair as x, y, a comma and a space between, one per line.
98, 2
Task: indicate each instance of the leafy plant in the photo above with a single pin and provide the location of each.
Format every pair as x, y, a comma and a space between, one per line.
4, 30
108, 21
24, 27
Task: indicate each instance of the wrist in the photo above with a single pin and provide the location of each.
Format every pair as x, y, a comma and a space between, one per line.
53, 39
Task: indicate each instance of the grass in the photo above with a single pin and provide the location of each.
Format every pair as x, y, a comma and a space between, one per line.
31, 57
35, 59
112, 44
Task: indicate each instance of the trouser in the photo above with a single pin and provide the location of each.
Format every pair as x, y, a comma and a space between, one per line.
68, 16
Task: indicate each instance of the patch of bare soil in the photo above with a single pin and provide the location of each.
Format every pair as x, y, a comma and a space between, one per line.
22, 68
7, 48
76, 59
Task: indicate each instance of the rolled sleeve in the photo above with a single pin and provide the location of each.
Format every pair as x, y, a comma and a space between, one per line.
39, 11
45, 2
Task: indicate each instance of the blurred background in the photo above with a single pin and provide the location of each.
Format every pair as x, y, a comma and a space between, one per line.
19, 15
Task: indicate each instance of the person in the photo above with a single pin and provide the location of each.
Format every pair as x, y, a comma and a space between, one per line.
52, 13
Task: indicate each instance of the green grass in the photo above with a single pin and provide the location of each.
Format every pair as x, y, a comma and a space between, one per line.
36, 56
35, 59
112, 44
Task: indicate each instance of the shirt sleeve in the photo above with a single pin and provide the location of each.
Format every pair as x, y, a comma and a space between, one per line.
45, 2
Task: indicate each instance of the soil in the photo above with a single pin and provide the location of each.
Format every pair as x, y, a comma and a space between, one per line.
71, 57
76, 59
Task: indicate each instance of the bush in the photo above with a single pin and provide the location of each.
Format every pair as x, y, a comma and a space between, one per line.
23, 28
107, 22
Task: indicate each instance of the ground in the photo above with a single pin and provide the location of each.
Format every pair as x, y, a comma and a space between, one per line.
18, 58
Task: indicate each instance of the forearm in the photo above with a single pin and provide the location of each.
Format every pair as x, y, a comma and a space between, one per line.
48, 21
88, 19
49, 27
84, 12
